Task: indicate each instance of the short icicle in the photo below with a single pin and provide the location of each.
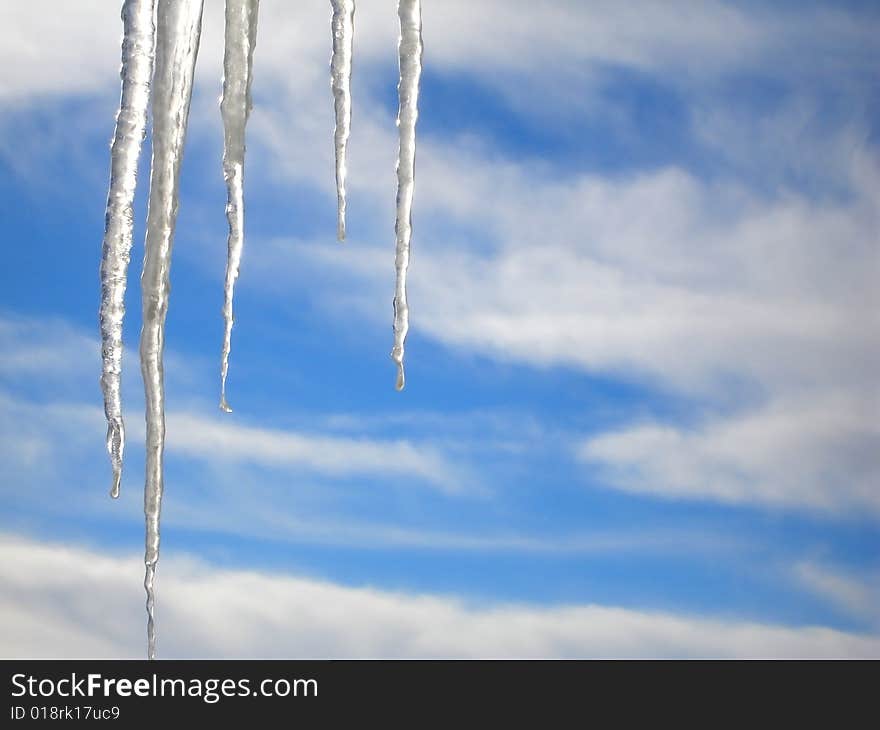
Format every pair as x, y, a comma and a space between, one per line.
131, 122
342, 25
235, 107
410, 56
177, 43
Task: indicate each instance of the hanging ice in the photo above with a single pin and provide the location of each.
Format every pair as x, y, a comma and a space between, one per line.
340, 82
410, 57
172, 43
235, 107
131, 122
177, 45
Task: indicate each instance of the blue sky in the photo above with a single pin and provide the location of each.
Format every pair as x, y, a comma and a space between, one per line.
641, 407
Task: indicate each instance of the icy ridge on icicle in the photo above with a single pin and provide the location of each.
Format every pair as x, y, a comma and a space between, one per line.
177, 44
131, 123
342, 25
235, 108
410, 57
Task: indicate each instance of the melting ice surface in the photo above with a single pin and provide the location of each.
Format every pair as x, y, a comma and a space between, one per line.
235, 107
131, 124
342, 25
410, 57
159, 50
177, 44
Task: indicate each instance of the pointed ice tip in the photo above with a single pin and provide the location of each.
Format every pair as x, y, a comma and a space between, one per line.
340, 230
114, 490
224, 406
401, 380
115, 446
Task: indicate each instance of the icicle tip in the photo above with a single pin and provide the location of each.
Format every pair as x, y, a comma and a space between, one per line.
115, 445
397, 356
149, 580
117, 480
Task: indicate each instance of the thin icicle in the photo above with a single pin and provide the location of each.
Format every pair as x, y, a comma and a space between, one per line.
131, 122
235, 107
410, 55
342, 25
177, 45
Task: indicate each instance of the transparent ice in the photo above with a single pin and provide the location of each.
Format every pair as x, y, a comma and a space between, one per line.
235, 108
131, 123
342, 25
410, 58
159, 50
177, 44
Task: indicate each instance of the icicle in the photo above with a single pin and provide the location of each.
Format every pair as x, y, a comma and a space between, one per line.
131, 122
342, 25
177, 44
235, 107
410, 54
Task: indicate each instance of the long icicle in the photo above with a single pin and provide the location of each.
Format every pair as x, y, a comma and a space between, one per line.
342, 25
177, 45
410, 55
131, 123
235, 107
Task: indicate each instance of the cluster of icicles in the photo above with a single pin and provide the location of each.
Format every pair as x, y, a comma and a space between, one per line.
159, 49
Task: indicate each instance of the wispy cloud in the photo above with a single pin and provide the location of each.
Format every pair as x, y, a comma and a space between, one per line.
209, 439
857, 595
660, 274
69, 601
49, 448
37, 432
57, 443
79, 46
30, 346
820, 456
672, 280
39, 350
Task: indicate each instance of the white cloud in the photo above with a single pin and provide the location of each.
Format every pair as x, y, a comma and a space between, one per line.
821, 456
52, 445
49, 451
689, 283
63, 601
53, 353
666, 278
58, 48
218, 442
858, 596
30, 347
66, 48
658, 274
663, 277
43, 433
